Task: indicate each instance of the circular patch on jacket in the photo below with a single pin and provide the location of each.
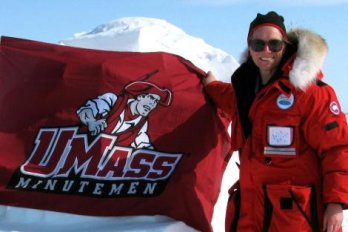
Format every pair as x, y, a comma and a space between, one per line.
334, 108
285, 102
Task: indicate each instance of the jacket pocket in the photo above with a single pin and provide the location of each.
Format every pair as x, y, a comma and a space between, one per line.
233, 208
289, 208
278, 135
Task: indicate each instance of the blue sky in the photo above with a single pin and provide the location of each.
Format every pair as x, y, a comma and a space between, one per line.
221, 23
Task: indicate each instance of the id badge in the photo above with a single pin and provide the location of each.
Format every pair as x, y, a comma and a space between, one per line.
280, 140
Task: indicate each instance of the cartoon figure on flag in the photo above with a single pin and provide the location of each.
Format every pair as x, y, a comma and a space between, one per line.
125, 115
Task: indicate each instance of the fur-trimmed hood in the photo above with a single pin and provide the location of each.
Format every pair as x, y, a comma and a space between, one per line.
309, 59
310, 56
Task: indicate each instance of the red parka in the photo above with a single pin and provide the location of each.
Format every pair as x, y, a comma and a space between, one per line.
293, 143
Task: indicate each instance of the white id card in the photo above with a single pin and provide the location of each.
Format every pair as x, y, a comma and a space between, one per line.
279, 136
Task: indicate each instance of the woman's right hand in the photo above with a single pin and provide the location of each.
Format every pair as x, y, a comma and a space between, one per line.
209, 78
333, 217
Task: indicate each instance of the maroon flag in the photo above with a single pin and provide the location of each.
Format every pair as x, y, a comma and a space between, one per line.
108, 133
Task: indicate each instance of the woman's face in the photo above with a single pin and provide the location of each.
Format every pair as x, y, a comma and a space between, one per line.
268, 58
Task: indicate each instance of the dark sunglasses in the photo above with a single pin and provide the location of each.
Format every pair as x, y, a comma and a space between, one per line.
274, 45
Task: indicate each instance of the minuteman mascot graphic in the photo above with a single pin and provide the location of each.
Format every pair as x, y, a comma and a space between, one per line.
125, 115
110, 153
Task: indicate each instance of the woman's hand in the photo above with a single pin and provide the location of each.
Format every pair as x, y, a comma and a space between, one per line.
333, 217
209, 78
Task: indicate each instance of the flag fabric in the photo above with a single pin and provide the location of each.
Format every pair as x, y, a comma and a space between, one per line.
107, 133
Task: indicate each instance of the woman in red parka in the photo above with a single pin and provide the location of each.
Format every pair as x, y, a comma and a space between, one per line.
289, 130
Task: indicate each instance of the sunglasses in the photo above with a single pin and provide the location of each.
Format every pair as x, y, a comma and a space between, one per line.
274, 45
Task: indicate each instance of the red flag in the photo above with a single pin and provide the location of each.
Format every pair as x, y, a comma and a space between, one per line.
108, 133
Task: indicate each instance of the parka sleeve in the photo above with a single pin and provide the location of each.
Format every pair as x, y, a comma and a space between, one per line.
326, 130
223, 97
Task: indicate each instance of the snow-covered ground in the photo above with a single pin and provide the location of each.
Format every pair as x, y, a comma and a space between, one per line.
29, 220
144, 35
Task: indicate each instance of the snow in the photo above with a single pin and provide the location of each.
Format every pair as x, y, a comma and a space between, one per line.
30, 220
150, 35
143, 35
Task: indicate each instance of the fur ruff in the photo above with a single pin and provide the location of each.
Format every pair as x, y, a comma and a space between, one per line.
311, 53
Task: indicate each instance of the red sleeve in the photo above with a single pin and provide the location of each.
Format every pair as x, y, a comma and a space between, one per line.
223, 96
326, 130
